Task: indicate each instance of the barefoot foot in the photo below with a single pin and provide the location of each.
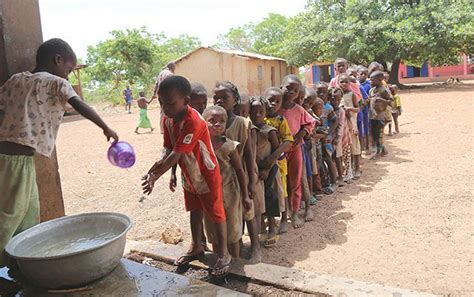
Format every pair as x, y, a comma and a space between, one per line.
283, 226
308, 215
255, 256
296, 221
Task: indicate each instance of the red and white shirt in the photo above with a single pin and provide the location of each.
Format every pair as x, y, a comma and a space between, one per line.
199, 165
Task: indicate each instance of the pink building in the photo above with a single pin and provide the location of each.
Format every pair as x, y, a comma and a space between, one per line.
427, 73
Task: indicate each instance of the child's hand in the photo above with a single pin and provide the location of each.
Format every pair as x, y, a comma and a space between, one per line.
263, 174
173, 183
109, 133
149, 183
252, 191
153, 168
247, 203
297, 139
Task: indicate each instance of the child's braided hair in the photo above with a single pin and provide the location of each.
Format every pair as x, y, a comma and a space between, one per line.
332, 92
264, 101
232, 87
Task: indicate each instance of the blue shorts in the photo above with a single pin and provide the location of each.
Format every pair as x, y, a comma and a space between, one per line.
307, 161
360, 123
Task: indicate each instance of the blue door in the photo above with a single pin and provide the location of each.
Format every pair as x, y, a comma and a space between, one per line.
315, 70
424, 70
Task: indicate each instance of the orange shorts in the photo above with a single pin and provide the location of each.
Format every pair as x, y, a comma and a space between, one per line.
210, 203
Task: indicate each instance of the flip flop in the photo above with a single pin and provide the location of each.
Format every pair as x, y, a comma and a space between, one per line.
270, 242
328, 190
224, 268
312, 200
187, 258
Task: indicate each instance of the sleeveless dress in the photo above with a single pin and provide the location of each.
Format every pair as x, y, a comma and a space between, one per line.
230, 194
352, 119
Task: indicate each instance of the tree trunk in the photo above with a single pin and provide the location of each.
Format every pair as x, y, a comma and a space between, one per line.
394, 73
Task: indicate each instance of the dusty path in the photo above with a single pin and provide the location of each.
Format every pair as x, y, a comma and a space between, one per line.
407, 223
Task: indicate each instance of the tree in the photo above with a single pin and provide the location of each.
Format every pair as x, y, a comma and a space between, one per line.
128, 56
239, 38
384, 31
266, 37
133, 57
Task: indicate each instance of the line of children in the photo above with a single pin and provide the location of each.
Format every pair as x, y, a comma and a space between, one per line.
266, 154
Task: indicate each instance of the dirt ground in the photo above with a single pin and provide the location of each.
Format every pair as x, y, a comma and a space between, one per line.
408, 222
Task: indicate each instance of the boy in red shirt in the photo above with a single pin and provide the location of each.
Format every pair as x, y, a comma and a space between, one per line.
187, 143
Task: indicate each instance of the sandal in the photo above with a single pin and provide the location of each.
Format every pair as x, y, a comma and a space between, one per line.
224, 270
187, 258
270, 242
312, 200
328, 191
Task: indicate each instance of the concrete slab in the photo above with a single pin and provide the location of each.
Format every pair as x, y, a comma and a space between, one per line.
134, 279
282, 277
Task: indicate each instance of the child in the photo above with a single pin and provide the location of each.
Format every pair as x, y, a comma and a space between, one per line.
226, 95
330, 123
267, 154
243, 107
233, 179
127, 95
341, 65
198, 97
187, 142
379, 98
275, 97
143, 121
342, 141
396, 109
320, 133
351, 106
42, 96
308, 153
198, 101
353, 74
363, 73
301, 123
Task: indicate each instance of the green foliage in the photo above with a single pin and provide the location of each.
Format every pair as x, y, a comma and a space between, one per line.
240, 38
131, 57
364, 31
265, 37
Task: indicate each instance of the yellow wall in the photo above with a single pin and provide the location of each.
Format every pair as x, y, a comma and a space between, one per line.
207, 67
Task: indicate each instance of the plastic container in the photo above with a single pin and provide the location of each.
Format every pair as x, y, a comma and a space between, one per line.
121, 154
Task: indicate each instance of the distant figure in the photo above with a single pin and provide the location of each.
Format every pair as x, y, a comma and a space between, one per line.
198, 99
143, 121
127, 95
165, 73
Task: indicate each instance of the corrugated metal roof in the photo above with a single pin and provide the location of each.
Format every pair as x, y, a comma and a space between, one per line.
233, 52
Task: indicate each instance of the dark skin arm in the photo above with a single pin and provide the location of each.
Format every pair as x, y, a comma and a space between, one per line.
300, 136
173, 179
237, 164
249, 152
354, 101
89, 113
158, 169
267, 164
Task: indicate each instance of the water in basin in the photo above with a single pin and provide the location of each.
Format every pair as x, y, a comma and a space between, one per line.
68, 245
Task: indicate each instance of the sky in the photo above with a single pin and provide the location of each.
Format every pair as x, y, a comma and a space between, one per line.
87, 22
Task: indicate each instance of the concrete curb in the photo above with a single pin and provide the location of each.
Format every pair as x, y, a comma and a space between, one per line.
278, 276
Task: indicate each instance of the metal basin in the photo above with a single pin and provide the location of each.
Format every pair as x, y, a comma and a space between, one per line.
70, 251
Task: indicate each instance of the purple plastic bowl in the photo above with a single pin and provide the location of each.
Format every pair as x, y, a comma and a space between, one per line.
121, 154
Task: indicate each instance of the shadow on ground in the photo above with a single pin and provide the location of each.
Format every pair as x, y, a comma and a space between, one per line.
330, 218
